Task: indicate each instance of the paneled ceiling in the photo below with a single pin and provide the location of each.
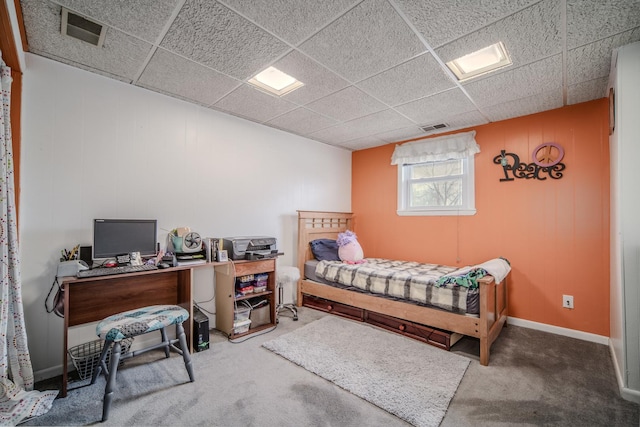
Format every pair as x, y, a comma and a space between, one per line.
373, 70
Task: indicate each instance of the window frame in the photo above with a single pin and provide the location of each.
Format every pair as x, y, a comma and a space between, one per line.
468, 192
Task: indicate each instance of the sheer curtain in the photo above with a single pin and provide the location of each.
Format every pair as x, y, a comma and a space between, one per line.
456, 146
17, 400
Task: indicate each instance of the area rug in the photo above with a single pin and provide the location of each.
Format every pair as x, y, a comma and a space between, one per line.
407, 378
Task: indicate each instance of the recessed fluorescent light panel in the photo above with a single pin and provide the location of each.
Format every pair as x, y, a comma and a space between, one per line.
275, 81
480, 62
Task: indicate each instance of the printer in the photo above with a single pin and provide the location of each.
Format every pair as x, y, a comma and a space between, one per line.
254, 247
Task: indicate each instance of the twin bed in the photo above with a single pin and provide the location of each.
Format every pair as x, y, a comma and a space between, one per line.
477, 311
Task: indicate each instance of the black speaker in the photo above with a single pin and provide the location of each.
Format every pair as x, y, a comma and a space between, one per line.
85, 255
200, 330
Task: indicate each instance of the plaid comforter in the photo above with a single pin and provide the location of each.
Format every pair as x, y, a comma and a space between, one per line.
400, 279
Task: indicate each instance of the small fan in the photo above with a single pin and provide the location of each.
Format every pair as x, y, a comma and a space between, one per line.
191, 242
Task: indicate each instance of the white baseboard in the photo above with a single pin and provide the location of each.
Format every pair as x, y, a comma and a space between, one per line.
139, 343
571, 333
630, 394
45, 374
626, 393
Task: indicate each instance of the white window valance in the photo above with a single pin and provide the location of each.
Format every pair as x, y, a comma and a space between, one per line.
457, 146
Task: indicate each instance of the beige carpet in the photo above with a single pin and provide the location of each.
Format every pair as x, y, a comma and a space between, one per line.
407, 378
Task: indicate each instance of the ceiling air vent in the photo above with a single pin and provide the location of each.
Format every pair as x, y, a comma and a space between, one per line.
81, 28
429, 128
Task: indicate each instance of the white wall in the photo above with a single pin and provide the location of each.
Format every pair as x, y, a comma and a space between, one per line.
95, 147
625, 227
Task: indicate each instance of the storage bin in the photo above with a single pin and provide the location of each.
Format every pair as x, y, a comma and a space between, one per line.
260, 316
246, 290
85, 357
241, 313
246, 279
244, 285
240, 327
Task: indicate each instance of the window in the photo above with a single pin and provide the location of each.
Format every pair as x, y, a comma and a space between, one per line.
437, 188
436, 176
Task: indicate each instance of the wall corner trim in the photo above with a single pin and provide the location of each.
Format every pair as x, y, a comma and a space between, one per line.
626, 393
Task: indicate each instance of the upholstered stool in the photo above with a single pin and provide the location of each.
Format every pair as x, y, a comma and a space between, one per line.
286, 275
132, 323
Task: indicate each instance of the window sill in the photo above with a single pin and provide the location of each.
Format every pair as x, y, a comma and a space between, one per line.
438, 212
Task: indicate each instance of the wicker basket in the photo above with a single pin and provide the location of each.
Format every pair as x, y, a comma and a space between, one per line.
86, 356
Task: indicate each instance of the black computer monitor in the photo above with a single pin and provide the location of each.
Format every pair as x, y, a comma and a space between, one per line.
113, 237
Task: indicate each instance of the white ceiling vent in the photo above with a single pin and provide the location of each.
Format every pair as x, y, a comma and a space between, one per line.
81, 28
430, 128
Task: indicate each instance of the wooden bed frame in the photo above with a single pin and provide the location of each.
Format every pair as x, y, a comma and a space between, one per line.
493, 297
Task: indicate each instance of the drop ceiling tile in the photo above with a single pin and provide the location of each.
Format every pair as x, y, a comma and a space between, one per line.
593, 60
433, 109
464, 120
121, 55
333, 135
591, 20
529, 35
587, 91
539, 77
253, 104
368, 39
364, 126
377, 123
186, 79
380, 122
301, 121
318, 81
455, 122
401, 134
346, 104
209, 33
363, 143
445, 20
524, 106
142, 18
414, 79
277, 16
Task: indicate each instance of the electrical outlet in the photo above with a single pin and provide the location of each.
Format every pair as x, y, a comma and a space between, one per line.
567, 301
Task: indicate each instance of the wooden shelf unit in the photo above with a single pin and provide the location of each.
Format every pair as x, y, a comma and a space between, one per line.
226, 299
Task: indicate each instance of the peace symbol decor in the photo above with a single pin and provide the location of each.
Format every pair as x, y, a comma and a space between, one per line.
546, 163
547, 154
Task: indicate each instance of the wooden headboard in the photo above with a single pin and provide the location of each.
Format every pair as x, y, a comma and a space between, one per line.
319, 225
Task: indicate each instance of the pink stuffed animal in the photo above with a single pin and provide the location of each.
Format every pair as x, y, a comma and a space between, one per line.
349, 250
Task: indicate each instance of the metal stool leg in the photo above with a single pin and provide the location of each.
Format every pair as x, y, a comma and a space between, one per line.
111, 381
167, 349
102, 365
185, 351
282, 306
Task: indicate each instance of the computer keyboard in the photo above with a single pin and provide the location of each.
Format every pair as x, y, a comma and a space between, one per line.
109, 271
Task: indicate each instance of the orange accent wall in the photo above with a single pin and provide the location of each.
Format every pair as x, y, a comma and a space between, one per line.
555, 233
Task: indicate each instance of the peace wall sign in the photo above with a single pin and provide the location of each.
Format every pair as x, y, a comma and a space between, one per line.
547, 154
546, 163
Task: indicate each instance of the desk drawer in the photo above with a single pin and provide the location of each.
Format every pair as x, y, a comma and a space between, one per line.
255, 267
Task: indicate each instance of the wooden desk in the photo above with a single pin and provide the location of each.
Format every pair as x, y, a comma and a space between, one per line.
91, 299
